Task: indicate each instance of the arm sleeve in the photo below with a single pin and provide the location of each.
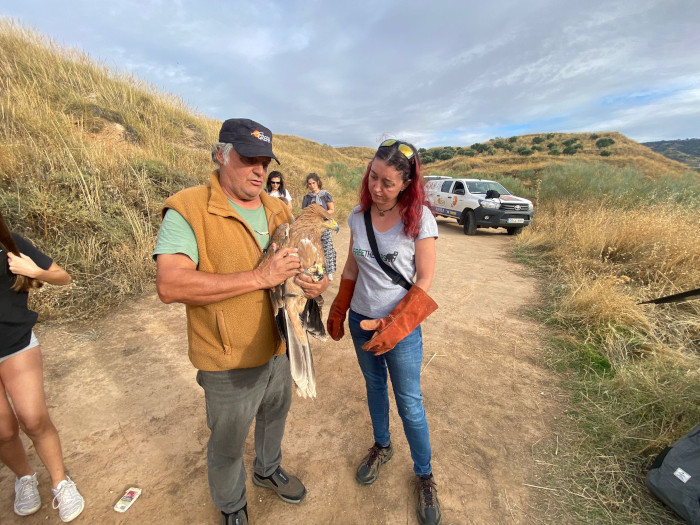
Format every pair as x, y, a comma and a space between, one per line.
42, 260
428, 226
176, 236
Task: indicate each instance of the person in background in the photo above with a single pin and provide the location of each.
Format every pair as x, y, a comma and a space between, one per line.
322, 197
275, 188
385, 317
23, 267
208, 254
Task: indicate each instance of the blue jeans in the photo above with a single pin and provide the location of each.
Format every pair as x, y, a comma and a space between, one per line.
404, 364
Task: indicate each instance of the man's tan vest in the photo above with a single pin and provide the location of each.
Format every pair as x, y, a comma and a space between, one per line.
239, 332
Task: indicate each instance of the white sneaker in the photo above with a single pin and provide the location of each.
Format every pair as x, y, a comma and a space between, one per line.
67, 500
27, 499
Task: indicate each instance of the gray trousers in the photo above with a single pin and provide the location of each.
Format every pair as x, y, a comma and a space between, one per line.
233, 398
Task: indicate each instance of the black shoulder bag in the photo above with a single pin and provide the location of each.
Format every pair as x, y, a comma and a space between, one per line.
395, 276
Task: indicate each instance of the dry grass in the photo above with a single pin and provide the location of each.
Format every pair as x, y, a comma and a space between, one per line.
633, 371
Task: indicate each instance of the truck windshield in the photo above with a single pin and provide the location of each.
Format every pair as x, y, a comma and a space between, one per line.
480, 187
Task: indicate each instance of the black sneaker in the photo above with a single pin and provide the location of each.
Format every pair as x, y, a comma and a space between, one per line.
368, 471
428, 504
240, 517
289, 488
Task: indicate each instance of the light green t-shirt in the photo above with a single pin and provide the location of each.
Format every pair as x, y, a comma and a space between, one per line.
177, 236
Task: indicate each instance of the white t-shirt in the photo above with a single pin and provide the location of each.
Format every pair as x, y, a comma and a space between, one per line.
375, 295
276, 193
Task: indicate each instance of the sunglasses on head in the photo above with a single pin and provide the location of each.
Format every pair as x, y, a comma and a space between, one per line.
403, 148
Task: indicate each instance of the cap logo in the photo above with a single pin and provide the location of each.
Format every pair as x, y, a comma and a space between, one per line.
261, 136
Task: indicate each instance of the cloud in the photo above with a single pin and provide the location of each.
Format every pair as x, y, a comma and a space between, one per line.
441, 73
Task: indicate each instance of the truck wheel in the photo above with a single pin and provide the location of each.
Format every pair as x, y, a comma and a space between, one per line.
514, 231
469, 222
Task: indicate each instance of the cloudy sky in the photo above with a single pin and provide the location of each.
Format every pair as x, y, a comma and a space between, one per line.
349, 73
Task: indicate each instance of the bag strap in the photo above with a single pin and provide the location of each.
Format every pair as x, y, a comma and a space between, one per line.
395, 276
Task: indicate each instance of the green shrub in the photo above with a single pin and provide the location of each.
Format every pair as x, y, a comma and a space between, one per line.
446, 154
538, 148
605, 153
550, 136
570, 150
524, 151
552, 145
605, 142
466, 151
594, 136
554, 151
537, 140
513, 140
571, 141
426, 158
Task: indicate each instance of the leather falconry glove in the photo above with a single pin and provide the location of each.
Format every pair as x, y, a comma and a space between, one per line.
415, 307
339, 308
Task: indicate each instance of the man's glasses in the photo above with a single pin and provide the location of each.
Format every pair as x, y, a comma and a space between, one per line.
403, 148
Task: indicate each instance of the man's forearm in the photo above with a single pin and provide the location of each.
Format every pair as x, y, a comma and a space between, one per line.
180, 285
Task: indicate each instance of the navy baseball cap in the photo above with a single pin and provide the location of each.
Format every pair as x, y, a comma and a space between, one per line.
249, 138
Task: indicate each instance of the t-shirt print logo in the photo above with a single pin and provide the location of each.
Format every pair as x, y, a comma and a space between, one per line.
260, 136
367, 254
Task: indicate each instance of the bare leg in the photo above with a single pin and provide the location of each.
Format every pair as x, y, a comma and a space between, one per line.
12, 451
23, 377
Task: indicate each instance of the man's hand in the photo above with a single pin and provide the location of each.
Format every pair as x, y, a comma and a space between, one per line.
310, 287
281, 266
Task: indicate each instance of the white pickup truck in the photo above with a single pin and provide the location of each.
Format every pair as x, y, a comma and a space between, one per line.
478, 203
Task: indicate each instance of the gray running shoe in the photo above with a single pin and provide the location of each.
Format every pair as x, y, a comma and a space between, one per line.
428, 504
67, 500
289, 488
368, 471
27, 499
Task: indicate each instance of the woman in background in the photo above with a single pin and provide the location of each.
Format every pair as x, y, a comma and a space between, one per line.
320, 196
275, 188
385, 316
23, 267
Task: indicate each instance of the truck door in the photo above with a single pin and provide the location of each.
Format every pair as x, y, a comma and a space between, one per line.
457, 197
442, 193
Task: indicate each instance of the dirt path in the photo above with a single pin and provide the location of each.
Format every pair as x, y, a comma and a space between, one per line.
124, 398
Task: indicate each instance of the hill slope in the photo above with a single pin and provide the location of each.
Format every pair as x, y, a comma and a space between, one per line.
536, 151
686, 151
87, 157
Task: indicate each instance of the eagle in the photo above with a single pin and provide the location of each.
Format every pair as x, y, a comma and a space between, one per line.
295, 314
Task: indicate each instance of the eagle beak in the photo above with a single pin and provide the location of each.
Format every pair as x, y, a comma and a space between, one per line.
331, 225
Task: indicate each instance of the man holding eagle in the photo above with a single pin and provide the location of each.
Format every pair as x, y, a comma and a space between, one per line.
209, 256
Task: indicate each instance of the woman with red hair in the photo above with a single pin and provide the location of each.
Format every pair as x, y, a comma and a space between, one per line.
391, 225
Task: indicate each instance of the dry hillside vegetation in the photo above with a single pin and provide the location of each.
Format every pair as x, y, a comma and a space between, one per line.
607, 239
535, 152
